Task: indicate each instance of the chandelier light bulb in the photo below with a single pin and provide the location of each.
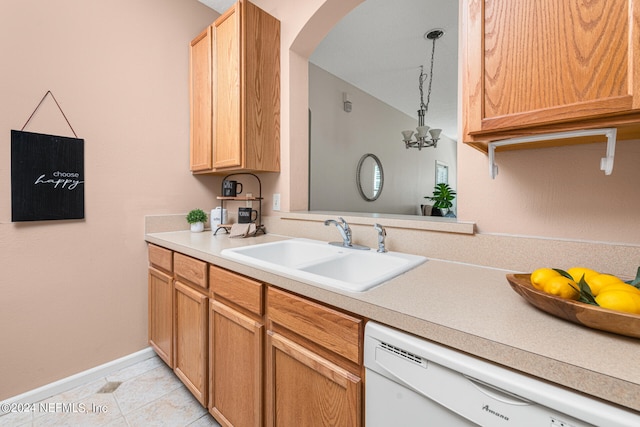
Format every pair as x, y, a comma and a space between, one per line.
406, 135
435, 133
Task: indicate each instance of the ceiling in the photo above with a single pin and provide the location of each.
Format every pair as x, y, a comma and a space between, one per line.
218, 5
380, 46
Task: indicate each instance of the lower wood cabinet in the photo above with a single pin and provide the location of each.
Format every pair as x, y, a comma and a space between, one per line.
306, 389
236, 367
161, 314
314, 363
253, 354
160, 288
190, 339
236, 349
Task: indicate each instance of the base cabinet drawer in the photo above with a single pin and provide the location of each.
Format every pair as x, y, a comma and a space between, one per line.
190, 270
161, 258
333, 330
242, 292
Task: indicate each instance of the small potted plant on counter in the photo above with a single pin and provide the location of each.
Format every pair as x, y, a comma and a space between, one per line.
443, 196
197, 218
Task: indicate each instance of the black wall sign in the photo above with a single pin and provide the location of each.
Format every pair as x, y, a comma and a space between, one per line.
47, 177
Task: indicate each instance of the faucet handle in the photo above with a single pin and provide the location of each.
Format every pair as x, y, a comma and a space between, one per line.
347, 231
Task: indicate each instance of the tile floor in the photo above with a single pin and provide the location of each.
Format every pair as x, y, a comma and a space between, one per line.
144, 394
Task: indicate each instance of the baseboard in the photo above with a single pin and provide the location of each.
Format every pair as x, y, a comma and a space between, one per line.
80, 378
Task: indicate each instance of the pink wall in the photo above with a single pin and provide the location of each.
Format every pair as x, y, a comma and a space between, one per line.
554, 192
74, 293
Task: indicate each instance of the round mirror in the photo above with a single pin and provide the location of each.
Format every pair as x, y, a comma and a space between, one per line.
369, 177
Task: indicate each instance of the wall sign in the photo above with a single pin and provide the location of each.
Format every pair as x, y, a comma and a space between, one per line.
47, 177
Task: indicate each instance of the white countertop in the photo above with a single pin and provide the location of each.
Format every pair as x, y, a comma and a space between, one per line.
466, 307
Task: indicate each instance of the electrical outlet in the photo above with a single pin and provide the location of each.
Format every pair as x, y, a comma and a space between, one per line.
276, 202
249, 203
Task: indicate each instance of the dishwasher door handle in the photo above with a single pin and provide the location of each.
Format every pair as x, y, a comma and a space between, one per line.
497, 393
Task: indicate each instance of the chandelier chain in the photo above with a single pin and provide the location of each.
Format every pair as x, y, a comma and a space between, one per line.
421, 80
423, 77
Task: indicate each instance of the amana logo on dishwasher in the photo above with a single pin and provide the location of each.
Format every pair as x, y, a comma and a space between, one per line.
492, 412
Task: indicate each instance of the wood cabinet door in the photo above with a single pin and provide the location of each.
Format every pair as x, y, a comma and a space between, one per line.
304, 389
200, 99
190, 339
236, 354
161, 314
227, 123
260, 89
534, 63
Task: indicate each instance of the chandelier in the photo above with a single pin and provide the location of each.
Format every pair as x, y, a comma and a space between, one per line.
424, 137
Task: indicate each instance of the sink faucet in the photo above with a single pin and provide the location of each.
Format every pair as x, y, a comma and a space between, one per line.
382, 233
344, 229
345, 232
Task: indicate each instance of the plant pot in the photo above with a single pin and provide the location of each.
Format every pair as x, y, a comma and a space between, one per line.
197, 227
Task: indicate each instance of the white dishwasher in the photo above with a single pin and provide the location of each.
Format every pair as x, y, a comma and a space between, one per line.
414, 382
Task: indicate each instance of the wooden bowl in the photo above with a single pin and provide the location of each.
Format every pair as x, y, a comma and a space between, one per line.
577, 312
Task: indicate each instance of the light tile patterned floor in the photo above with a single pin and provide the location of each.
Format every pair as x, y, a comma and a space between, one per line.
145, 394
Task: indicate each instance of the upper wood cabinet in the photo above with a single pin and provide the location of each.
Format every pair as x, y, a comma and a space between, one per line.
201, 101
541, 66
235, 93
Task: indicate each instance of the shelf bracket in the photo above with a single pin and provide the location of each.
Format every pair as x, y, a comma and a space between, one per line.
606, 163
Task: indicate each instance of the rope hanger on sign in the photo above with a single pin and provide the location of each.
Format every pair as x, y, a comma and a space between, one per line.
59, 108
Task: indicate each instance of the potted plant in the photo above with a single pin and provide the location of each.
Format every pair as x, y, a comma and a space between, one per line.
197, 218
443, 196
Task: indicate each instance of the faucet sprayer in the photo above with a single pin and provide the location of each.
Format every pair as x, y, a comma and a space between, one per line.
382, 233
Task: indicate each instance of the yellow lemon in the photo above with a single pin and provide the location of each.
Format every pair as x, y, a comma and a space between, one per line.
578, 272
627, 302
541, 275
620, 287
599, 281
562, 287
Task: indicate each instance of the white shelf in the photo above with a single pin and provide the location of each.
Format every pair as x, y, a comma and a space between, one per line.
606, 163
